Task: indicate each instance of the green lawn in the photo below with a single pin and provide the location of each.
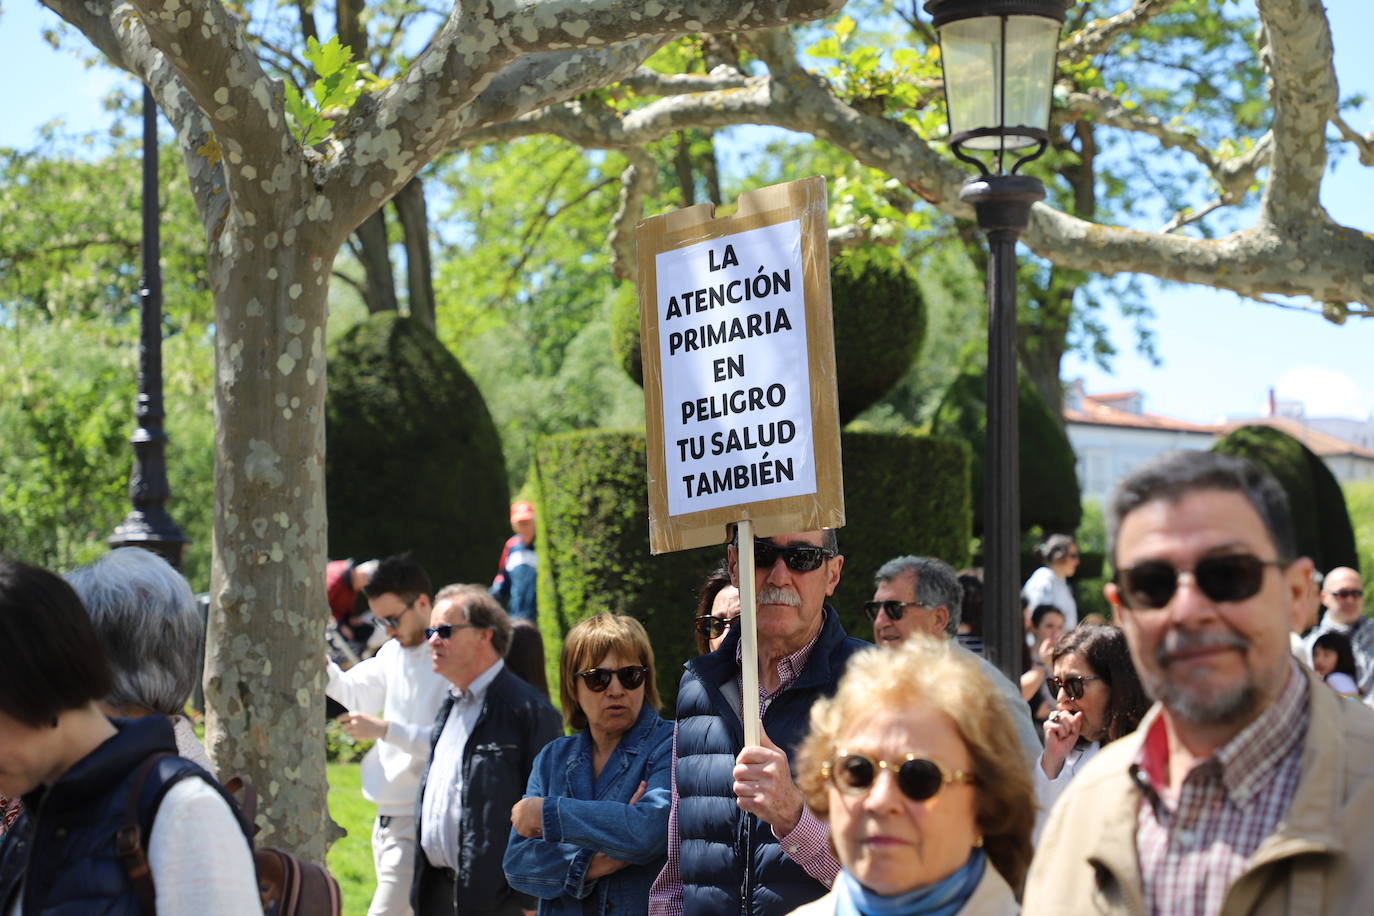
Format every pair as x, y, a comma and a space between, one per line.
350, 859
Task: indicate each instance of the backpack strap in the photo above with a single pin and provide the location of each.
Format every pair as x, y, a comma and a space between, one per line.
129, 840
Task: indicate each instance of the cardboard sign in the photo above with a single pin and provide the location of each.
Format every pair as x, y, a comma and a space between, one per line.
738, 351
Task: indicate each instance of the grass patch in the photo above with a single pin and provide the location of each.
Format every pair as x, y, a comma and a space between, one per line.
350, 859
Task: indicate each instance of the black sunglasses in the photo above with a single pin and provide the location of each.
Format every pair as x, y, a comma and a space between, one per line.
919, 778
1228, 577
1072, 685
445, 630
798, 557
598, 679
712, 627
1348, 593
894, 609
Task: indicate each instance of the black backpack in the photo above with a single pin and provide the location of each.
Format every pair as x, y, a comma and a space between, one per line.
287, 885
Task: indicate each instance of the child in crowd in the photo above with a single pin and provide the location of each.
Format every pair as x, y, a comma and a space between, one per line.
1334, 660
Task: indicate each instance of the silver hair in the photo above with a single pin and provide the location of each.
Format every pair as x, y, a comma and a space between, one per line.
147, 619
936, 584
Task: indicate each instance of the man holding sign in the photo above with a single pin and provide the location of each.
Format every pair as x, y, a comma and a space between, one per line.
763, 851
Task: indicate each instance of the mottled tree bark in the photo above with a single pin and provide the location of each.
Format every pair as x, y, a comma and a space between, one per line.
414, 217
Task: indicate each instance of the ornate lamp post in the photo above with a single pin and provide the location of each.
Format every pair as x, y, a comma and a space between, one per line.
148, 525
998, 58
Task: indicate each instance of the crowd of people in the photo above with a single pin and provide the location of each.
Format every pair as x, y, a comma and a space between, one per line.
1204, 756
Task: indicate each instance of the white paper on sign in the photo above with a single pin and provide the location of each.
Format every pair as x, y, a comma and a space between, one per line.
735, 374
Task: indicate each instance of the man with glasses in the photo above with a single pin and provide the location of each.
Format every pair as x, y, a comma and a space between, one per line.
740, 837
923, 595
1343, 596
1248, 786
392, 699
488, 731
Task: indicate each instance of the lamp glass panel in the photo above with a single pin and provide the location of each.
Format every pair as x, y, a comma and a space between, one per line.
976, 89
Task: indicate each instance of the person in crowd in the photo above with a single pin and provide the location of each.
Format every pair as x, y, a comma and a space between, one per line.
591, 833
739, 832
344, 584
488, 731
1050, 583
146, 617
392, 699
970, 633
1247, 786
516, 582
1098, 699
1334, 662
921, 595
913, 762
717, 609
1343, 596
1047, 626
1306, 612
525, 657
75, 770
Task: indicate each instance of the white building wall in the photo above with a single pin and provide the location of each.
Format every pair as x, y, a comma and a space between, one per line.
1108, 453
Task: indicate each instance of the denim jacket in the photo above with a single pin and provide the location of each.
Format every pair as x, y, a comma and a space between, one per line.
584, 816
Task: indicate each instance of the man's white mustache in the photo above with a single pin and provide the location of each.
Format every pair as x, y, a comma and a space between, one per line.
774, 595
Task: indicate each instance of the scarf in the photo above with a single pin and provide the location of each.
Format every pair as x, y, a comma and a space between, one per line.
943, 898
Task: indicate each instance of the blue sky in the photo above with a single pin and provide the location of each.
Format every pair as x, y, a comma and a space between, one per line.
1220, 353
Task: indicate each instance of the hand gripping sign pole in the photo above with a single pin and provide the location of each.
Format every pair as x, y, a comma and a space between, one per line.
741, 414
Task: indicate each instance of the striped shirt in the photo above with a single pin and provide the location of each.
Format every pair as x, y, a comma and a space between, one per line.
807, 844
1194, 844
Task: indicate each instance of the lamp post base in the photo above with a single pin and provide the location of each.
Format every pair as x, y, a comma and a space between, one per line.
1003, 204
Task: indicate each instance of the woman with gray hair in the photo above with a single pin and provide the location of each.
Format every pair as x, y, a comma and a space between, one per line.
146, 617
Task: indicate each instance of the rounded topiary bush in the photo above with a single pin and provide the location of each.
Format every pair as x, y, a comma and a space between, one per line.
414, 461
904, 494
880, 324
1321, 522
1048, 476
625, 331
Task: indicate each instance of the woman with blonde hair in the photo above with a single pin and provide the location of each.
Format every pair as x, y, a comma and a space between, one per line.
591, 833
915, 764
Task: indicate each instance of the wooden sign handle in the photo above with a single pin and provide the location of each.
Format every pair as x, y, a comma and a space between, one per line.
749, 635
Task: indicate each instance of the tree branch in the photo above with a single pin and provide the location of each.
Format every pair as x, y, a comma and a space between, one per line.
650, 82
1097, 36
636, 183
1364, 143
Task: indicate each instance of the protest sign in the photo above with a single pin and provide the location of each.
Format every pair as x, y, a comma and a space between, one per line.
741, 412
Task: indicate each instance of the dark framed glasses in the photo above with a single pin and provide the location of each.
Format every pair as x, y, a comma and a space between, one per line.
893, 609
1347, 593
1073, 685
630, 677
798, 557
1227, 577
445, 630
394, 621
713, 627
919, 778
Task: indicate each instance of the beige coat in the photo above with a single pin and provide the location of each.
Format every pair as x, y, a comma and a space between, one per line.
1318, 861
992, 897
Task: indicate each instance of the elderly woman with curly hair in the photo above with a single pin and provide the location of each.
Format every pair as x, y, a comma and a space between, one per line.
915, 764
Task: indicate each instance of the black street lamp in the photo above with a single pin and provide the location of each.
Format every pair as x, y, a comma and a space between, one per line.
148, 525
998, 58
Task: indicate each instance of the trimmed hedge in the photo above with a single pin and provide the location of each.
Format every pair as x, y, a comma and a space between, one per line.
414, 461
625, 332
904, 493
1321, 522
1048, 474
880, 323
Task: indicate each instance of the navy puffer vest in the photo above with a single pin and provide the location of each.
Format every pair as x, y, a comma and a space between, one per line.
66, 835
730, 861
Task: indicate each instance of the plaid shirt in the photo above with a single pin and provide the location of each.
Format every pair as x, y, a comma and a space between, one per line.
808, 843
1193, 846
9, 811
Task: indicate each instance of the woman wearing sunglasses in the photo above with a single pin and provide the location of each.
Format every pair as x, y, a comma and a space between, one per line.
1098, 698
716, 611
915, 764
591, 833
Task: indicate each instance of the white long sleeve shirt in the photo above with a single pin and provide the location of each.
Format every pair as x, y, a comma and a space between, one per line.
398, 685
1047, 791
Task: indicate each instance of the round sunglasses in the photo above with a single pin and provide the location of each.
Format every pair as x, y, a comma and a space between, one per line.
1073, 685
630, 677
1150, 585
713, 627
919, 778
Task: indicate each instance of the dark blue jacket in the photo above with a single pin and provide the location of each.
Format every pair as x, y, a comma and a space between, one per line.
586, 814
730, 861
63, 845
512, 728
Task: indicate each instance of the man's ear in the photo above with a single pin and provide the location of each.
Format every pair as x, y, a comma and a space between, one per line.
423, 605
832, 573
940, 617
